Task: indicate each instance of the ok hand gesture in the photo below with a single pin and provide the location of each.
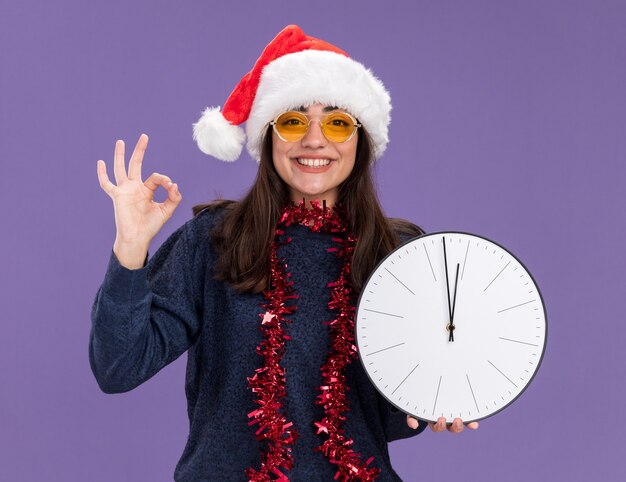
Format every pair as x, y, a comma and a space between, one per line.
137, 217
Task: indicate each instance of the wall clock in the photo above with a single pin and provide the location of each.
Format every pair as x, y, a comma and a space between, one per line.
451, 324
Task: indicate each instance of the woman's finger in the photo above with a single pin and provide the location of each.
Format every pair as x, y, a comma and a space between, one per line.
136, 160
472, 425
412, 422
173, 200
106, 185
440, 426
118, 162
155, 180
457, 426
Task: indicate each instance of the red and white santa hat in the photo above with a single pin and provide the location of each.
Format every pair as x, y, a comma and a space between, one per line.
294, 70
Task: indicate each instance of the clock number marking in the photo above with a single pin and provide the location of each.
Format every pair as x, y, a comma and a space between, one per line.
396, 278
496, 276
517, 341
472, 390
388, 348
405, 378
516, 306
465, 259
437, 395
383, 313
431, 265
502, 374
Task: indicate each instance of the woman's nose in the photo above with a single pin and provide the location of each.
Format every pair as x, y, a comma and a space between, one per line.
314, 136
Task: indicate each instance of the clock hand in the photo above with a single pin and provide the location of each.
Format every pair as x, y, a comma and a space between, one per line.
456, 283
445, 263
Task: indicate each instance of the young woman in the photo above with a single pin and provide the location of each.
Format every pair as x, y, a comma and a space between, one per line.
261, 291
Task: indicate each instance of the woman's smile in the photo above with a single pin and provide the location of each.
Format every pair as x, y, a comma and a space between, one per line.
312, 164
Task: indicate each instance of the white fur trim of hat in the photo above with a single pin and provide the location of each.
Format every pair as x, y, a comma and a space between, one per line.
311, 71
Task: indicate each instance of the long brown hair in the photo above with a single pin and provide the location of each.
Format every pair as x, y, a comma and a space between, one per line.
243, 238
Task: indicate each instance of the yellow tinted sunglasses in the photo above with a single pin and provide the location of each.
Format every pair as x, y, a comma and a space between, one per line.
336, 126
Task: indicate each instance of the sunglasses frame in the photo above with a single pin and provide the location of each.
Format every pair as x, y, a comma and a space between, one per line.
321, 121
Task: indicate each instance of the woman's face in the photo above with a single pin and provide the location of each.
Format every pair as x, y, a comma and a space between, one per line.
335, 161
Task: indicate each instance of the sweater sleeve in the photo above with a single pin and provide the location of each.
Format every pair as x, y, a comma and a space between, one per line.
394, 421
143, 319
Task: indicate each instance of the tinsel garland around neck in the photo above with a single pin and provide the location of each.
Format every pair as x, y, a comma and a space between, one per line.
268, 382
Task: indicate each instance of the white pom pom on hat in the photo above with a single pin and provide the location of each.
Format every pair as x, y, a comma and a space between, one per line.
218, 137
294, 70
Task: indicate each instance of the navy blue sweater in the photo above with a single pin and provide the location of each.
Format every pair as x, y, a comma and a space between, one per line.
144, 319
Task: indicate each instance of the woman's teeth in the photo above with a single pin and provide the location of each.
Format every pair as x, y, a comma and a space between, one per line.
313, 162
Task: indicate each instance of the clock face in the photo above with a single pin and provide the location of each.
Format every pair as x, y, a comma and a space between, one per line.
403, 320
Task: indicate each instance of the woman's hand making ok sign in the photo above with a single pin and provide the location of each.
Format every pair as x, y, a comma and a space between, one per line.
137, 217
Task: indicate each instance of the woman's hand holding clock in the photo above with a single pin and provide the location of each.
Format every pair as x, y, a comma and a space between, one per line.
137, 217
441, 426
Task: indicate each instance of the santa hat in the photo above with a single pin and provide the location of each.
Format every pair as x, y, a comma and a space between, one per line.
294, 70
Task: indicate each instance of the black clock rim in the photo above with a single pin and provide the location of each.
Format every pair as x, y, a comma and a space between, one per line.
425, 235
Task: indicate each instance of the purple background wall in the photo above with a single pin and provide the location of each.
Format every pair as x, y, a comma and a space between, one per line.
509, 121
